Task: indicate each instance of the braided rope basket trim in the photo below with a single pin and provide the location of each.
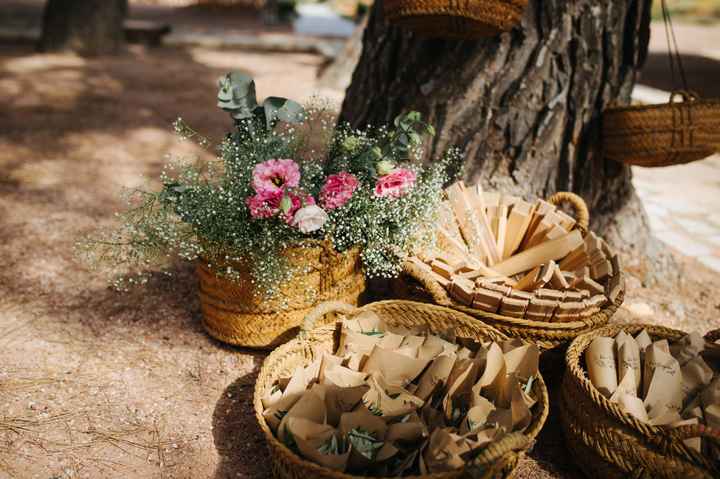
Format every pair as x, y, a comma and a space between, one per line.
609, 440
500, 458
456, 18
662, 135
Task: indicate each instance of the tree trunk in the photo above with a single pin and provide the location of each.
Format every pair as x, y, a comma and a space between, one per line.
89, 27
524, 106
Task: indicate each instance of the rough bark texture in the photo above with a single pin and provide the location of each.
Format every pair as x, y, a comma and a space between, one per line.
89, 27
524, 106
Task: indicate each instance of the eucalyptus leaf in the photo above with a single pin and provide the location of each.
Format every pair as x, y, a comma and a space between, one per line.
277, 108
237, 96
364, 442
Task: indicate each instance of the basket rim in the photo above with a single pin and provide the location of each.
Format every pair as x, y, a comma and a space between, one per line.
577, 374
700, 102
299, 344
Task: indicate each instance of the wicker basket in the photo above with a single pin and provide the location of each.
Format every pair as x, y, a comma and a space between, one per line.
234, 314
606, 442
445, 18
663, 135
546, 334
496, 461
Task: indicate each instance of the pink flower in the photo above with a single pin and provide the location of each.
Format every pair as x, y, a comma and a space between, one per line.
338, 189
269, 204
396, 184
265, 204
275, 175
297, 201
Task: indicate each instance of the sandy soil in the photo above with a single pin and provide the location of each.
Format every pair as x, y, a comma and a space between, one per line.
99, 384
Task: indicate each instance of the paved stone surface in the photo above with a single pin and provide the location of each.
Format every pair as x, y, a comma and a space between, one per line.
683, 205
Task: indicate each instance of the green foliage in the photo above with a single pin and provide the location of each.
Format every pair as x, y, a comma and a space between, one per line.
201, 211
364, 442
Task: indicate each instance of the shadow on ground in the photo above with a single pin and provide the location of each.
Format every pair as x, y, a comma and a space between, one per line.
237, 436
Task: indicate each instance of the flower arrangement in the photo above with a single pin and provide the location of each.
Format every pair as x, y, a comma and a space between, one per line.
286, 176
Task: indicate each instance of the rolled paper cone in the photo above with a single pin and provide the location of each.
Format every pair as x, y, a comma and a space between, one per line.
396, 368
600, 361
628, 359
633, 406
437, 373
643, 340
523, 361
665, 386
695, 374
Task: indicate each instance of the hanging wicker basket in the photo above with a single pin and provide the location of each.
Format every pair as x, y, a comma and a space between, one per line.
609, 444
448, 19
418, 285
683, 130
498, 460
234, 313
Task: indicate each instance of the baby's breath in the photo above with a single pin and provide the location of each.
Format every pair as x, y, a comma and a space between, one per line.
201, 214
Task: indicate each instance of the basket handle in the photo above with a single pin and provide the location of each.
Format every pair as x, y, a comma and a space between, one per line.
322, 310
582, 214
436, 291
713, 335
499, 454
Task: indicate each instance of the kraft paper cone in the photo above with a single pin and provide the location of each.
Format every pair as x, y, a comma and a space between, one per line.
436, 374
387, 400
365, 322
600, 361
688, 347
521, 415
435, 346
352, 342
628, 359
493, 378
397, 369
666, 417
634, 406
343, 377
523, 361
412, 342
341, 400
626, 386
309, 437
665, 386
407, 433
310, 406
444, 452
695, 374
457, 400
271, 397
362, 419
477, 416
643, 340
275, 413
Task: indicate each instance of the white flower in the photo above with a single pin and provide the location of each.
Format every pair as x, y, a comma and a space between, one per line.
310, 218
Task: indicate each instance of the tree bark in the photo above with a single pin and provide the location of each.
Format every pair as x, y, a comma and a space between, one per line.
88, 27
524, 106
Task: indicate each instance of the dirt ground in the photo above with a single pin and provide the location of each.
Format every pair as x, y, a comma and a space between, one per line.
98, 384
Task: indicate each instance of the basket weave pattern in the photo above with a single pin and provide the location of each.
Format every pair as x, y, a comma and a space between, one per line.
234, 314
547, 335
497, 461
663, 135
606, 442
456, 19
